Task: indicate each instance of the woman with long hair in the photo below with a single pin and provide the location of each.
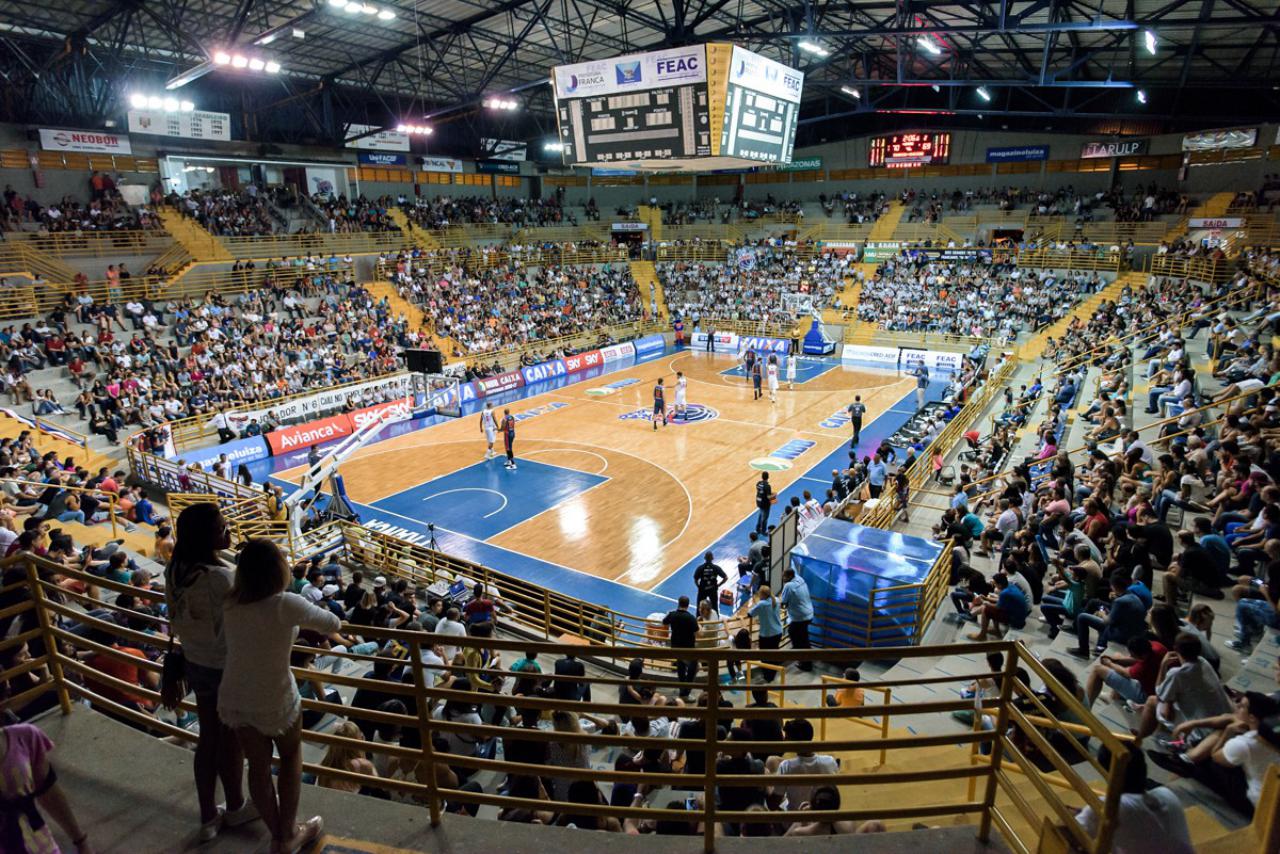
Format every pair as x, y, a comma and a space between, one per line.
196, 585
259, 696
345, 757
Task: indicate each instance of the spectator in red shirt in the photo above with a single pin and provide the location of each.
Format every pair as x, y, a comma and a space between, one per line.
1132, 678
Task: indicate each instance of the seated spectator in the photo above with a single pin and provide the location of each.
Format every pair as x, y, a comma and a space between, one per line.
1149, 819
799, 733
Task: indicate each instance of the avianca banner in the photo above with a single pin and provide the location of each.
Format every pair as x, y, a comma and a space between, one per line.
287, 439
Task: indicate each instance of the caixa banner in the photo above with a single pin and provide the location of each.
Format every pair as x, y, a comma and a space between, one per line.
543, 371
650, 344
770, 345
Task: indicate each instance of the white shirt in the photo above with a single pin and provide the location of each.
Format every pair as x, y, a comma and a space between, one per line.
1152, 821
796, 793
1254, 756
453, 628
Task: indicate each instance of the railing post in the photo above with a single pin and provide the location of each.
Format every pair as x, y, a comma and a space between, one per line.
712, 737
997, 745
422, 702
50, 640
546, 612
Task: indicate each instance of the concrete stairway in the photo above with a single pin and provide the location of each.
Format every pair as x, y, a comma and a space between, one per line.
421, 238
652, 216
884, 227
1033, 348
199, 243
91, 458
416, 316
650, 287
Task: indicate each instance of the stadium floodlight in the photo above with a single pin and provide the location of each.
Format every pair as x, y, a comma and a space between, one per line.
1142, 96
239, 61
553, 146
272, 67
1149, 38
419, 130
256, 64
168, 104
929, 45
386, 15
138, 101
221, 58
851, 92
187, 106
983, 93
501, 104
813, 48
338, 4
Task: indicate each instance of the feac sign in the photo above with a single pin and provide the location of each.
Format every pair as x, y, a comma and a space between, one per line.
677, 65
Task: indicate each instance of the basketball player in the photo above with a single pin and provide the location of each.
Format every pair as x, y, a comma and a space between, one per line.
509, 437
856, 410
748, 361
791, 370
757, 375
772, 371
489, 426
659, 404
682, 388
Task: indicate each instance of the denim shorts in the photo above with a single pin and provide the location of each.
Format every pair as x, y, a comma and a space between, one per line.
203, 681
1128, 688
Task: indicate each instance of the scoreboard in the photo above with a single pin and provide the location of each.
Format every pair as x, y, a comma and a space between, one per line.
762, 104
643, 106
696, 108
901, 150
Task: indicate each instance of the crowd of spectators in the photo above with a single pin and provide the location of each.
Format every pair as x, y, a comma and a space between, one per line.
1091, 545
228, 213
444, 211
512, 304
338, 214
751, 284
856, 208
107, 212
969, 297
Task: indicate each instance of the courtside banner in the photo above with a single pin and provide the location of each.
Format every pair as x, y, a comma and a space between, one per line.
582, 361
650, 344
396, 410
498, 384
932, 359
864, 353
239, 451
312, 433
725, 341
773, 345
544, 371
617, 352
328, 400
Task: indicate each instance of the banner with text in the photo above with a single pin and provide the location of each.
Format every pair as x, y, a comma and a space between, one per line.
395, 386
88, 141
1020, 154
197, 124
1113, 148
383, 140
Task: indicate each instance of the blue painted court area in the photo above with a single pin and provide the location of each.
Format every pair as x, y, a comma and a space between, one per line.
806, 369
485, 499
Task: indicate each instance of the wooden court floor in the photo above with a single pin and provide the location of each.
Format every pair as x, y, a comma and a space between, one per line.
659, 498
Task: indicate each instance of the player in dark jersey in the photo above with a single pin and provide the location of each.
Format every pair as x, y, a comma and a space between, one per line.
509, 437
659, 404
757, 376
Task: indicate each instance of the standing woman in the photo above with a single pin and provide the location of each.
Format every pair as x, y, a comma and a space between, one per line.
259, 696
196, 585
765, 613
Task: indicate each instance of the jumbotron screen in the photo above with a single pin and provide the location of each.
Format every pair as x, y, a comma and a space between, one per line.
762, 105
902, 150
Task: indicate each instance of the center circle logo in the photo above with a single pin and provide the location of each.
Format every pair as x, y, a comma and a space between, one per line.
693, 413
770, 464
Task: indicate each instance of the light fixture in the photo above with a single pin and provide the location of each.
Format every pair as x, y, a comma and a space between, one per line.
935, 87
267, 39
1149, 38
222, 58
1142, 96
171, 105
299, 33
143, 101
239, 61
272, 67
814, 48
338, 4
553, 146
929, 45
420, 130
256, 64
353, 8
187, 106
983, 93
501, 104
137, 101
851, 92
155, 102
386, 15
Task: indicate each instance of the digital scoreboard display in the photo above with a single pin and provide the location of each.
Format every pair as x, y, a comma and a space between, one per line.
639, 107
762, 105
902, 150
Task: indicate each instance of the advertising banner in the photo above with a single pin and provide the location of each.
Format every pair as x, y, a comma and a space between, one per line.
441, 164
1216, 140
543, 371
500, 383
382, 158
631, 73
1113, 148
1020, 154
383, 140
400, 409
88, 141
911, 358
503, 149
881, 250
769, 345
397, 385
582, 361
617, 352
323, 181
725, 342
497, 167
196, 124
240, 451
650, 344
865, 353
311, 433
802, 164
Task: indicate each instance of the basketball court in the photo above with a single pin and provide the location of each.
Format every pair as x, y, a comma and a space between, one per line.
603, 505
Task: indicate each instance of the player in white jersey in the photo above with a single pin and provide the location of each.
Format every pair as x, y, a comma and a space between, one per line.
772, 372
791, 370
682, 388
489, 426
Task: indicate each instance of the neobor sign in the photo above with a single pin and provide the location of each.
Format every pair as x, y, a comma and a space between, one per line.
84, 140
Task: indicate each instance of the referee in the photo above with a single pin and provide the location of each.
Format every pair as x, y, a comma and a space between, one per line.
856, 410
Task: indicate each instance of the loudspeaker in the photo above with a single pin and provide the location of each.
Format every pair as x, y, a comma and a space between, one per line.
424, 361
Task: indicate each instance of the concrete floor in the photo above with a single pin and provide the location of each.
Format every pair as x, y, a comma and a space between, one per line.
134, 793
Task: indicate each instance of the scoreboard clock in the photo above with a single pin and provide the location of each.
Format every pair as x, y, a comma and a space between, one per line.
902, 150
